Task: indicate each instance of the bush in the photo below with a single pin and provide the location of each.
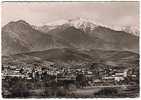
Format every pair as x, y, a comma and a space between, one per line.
61, 92
108, 92
19, 89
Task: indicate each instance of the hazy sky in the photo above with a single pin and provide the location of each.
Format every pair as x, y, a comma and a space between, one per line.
39, 13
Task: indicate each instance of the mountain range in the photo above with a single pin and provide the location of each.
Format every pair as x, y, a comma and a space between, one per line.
68, 42
85, 24
21, 37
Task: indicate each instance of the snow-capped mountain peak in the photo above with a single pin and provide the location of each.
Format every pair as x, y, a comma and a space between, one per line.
79, 23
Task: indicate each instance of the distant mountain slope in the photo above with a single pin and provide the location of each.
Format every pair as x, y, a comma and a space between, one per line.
85, 34
99, 38
27, 39
118, 40
76, 37
11, 44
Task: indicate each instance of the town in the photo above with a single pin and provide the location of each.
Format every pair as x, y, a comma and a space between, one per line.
71, 76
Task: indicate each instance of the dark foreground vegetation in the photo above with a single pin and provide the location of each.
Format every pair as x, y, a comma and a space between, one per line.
22, 88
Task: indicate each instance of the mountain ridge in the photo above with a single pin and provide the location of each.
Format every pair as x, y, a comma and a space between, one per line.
29, 38
87, 25
34, 39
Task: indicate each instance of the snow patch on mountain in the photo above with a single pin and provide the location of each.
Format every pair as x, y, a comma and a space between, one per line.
84, 24
129, 29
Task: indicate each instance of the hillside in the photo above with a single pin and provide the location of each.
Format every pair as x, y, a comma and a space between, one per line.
68, 56
27, 39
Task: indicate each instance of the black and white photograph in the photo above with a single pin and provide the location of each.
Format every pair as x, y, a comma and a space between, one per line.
73, 49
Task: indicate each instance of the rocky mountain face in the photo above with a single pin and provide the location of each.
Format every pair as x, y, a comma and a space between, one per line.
19, 37
80, 34
85, 34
